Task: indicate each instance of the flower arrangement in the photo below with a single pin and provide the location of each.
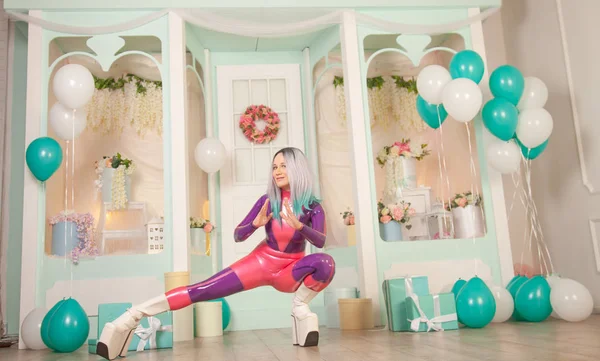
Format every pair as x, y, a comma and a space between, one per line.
401, 149
348, 217
122, 166
464, 199
248, 124
85, 233
196, 222
401, 213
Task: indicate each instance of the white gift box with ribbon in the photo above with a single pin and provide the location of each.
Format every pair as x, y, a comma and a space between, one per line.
148, 334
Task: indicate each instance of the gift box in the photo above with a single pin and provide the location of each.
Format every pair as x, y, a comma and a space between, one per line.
153, 332
432, 312
92, 346
395, 292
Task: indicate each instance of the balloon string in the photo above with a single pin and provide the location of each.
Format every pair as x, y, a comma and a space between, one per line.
439, 141
66, 201
474, 195
445, 167
73, 189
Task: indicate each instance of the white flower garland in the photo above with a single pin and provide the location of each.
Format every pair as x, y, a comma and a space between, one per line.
394, 178
111, 109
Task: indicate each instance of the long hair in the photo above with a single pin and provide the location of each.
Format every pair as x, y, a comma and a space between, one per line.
301, 183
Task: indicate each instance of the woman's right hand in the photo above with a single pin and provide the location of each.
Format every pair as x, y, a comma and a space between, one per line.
261, 218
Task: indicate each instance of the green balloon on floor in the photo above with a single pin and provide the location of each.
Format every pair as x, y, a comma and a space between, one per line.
226, 311
475, 304
533, 300
67, 327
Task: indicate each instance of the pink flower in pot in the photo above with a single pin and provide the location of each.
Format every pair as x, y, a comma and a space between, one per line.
385, 219
461, 202
208, 228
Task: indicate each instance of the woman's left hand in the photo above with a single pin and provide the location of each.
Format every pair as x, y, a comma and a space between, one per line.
290, 218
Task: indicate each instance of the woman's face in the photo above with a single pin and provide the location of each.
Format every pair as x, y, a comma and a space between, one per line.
280, 172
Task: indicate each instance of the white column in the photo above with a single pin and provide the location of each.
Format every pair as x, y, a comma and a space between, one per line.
355, 111
494, 177
212, 178
179, 149
32, 251
312, 153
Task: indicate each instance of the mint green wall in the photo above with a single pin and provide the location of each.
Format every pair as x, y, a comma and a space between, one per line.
17, 168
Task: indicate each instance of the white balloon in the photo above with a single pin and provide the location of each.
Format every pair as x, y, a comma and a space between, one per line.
462, 99
534, 127
31, 333
210, 154
552, 280
571, 300
504, 304
535, 94
505, 157
73, 85
431, 82
64, 121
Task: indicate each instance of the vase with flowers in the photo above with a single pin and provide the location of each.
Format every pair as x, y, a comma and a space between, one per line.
399, 161
348, 218
392, 218
114, 180
199, 227
73, 235
467, 215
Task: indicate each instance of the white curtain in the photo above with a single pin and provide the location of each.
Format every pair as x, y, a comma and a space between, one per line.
334, 144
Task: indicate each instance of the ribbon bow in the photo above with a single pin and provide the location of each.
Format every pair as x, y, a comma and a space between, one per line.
149, 333
434, 323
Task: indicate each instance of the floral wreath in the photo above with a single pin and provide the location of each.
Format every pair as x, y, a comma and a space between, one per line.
248, 123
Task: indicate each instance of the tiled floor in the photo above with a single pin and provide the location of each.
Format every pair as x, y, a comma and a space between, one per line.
547, 341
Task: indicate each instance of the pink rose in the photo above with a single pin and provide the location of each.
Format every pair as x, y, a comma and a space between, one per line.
385, 219
461, 202
397, 213
351, 219
402, 147
208, 228
347, 221
412, 212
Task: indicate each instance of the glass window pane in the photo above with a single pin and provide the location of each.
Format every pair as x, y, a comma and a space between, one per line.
262, 159
243, 165
240, 95
282, 137
259, 92
278, 95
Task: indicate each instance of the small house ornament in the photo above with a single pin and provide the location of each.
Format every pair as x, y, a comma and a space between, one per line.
156, 233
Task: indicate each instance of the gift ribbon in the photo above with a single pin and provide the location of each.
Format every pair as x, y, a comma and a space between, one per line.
434, 323
149, 333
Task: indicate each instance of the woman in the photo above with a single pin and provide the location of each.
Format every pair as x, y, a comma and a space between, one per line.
291, 215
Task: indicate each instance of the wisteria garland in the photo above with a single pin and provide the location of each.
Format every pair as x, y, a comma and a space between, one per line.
85, 233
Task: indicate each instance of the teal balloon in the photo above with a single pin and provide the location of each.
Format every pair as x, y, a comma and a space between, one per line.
68, 327
458, 285
467, 64
45, 328
475, 304
532, 153
429, 113
500, 117
43, 156
226, 311
507, 82
533, 300
512, 289
512, 280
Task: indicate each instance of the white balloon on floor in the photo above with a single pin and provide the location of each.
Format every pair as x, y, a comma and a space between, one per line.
73, 85
65, 121
571, 300
31, 333
210, 154
504, 304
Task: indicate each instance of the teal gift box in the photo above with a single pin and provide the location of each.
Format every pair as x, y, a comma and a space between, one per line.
395, 293
153, 332
439, 311
162, 327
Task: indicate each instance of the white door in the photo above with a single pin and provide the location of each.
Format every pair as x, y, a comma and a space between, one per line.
244, 178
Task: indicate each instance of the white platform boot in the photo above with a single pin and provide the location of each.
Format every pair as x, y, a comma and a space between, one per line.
116, 336
305, 324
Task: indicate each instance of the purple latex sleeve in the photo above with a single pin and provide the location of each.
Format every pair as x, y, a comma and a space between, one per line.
315, 233
246, 228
